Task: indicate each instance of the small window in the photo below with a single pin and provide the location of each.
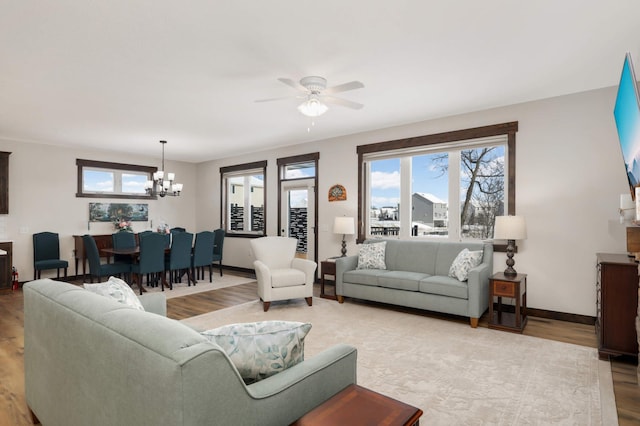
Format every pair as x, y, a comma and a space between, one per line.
244, 199
99, 179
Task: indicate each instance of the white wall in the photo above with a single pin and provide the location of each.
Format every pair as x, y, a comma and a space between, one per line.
42, 188
569, 177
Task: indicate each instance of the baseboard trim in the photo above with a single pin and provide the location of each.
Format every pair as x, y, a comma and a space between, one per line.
561, 316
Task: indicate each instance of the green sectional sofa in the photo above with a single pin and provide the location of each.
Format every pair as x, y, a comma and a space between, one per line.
90, 360
417, 276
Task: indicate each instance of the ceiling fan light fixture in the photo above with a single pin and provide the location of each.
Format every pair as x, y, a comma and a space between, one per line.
312, 107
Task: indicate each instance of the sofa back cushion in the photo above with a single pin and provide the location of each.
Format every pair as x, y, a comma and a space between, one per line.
428, 256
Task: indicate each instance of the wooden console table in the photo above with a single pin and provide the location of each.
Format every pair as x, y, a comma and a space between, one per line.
358, 406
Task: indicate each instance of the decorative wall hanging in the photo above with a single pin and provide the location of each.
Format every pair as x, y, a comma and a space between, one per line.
337, 193
109, 212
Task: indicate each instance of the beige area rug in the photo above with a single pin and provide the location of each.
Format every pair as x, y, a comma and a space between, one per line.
457, 375
182, 289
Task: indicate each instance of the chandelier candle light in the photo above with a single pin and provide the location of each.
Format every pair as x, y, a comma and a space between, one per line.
163, 185
344, 226
510, 228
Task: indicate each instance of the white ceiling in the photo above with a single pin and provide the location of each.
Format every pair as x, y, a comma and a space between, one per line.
123, 74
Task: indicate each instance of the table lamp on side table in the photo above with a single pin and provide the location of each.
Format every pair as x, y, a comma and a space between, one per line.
510, 228
345, 226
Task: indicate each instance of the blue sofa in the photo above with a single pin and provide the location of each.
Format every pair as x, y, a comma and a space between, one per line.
416, 276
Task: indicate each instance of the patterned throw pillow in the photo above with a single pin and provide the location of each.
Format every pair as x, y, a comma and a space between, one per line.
261, 349
371, 256
464, 261
117, 289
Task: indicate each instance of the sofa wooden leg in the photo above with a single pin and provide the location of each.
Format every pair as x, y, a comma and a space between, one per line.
34, 419
265, 306
474, 322
309, 300
340, 299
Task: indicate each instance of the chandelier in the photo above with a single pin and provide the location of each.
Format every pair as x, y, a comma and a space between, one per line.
162, 184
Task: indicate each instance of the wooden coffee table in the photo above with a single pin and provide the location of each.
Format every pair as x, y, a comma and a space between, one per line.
356, 405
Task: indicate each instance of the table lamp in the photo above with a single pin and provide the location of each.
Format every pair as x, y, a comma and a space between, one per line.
510, 228
345, 226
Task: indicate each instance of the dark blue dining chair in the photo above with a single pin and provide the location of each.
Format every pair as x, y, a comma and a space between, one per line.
151, 260
123, 240
98, 269
180, 257
218, 243
46, 254
202, 255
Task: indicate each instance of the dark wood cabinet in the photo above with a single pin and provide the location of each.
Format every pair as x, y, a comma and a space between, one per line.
4, 182
6, 263
616, 305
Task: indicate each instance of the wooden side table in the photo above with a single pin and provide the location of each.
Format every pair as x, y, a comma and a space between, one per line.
514, 287
327, 267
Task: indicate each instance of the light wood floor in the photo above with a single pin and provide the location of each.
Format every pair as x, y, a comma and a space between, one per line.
13, 410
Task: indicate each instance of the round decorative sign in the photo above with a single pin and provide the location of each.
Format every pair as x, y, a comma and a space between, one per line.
337, 193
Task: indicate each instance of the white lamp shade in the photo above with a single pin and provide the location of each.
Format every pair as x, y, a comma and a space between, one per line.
312, 108
344, 225
510, 228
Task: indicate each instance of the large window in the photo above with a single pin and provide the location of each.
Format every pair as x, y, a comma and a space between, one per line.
99, 179
244, 199
450, 185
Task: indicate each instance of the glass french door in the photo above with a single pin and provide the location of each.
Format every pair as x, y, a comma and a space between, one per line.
298, 215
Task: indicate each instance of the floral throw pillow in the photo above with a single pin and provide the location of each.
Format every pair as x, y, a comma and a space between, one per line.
118, 290
464, 261
371, 256
261, 349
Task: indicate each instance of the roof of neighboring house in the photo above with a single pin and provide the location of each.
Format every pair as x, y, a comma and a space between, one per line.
430, 197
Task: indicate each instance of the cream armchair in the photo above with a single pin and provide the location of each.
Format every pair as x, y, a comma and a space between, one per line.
281, 276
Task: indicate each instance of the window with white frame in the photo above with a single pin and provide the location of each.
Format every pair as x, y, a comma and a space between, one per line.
99, 179
406, 186
244, 195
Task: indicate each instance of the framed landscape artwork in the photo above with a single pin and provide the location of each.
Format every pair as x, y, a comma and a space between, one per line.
109, 212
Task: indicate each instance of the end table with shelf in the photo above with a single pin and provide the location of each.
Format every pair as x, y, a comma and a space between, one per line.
512, 287
328, 267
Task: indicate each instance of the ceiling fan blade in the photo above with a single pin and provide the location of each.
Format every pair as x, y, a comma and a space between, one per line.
342, 102
293, 84
352, 85
279, 98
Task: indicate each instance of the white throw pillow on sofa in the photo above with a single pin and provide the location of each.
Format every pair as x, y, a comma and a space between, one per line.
261, 349
371, 256
464, 261
118, 290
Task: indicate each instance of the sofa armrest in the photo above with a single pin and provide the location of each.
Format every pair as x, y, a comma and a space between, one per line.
478, 283
155, 303
344, 264
328, 372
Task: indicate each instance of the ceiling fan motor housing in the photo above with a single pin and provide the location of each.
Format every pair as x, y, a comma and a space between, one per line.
314, 83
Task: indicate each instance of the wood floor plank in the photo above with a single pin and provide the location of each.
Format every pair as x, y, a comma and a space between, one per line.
13, 409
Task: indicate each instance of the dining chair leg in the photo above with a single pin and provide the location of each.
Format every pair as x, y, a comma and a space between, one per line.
210, 274
220, 267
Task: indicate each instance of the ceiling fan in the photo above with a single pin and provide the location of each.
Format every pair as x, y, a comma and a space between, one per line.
316, 94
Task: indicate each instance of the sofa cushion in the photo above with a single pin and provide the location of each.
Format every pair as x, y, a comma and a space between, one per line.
118, 290
261, 349
287, 278
463, 263
401, 280
371, 256
363, 276
444, 286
